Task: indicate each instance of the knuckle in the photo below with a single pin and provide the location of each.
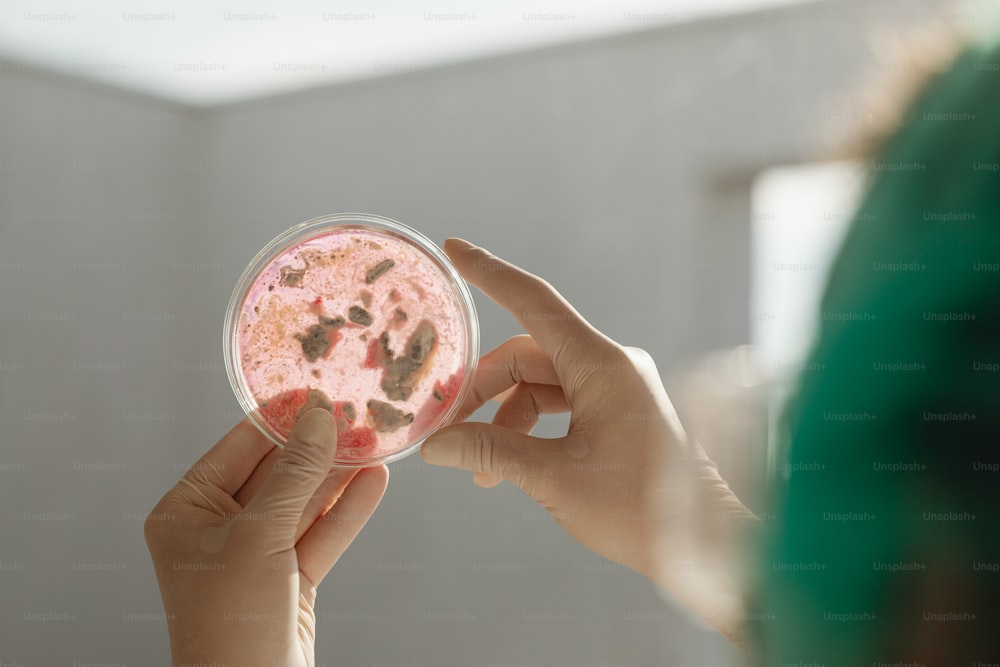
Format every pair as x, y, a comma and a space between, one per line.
533, 406
511, 368
150, 532
638, 356
587, 357
154, 527
568, 354
481, 451
299, 461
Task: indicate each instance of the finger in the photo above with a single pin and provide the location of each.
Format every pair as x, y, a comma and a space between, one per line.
229, 463
526, 402
518, 359
485, 480
502, 396
507, 454
331, 534
520, 411
298, 472
257, 478
564, 335
326, 496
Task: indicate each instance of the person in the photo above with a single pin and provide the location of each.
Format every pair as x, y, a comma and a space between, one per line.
251, 530
880, 529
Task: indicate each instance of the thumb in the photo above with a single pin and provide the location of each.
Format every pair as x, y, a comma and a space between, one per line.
515, 457
297, 473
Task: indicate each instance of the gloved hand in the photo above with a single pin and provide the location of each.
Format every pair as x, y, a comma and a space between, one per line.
245, 537
625, 480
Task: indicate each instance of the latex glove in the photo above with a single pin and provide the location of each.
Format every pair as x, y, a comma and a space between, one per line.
245, 537
625, 480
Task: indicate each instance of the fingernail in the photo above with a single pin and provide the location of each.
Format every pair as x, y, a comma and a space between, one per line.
455, 243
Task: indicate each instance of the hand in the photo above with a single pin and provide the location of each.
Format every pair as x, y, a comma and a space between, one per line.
625, 480
245, 537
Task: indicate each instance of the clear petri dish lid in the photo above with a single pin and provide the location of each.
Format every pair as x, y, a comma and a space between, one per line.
361, 315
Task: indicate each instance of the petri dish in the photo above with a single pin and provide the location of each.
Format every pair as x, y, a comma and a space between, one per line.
358, 314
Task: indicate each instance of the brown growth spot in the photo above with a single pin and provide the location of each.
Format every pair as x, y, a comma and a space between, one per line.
359, 315
314, 342
291, 277
376, 271
385, 418
404, 372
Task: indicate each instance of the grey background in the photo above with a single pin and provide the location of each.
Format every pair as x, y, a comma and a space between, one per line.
617, 168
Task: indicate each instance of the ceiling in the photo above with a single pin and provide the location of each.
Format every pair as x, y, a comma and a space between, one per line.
207, 52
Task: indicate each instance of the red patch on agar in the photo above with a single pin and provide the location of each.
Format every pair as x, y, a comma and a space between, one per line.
334, 336
372, 354
281, 411
379, 353
449, 389
438, 403
356, 443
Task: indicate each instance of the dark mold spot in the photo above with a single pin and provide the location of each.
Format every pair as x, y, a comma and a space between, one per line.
359, 315
403, 373
291, 277
315, 342
385, 418
376, 271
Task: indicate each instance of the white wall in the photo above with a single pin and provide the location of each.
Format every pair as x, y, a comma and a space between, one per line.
93, 215
620, 169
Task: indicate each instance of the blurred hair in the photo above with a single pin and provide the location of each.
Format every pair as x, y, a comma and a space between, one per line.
907, 61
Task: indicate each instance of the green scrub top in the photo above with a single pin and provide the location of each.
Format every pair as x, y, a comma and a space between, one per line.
883, 547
